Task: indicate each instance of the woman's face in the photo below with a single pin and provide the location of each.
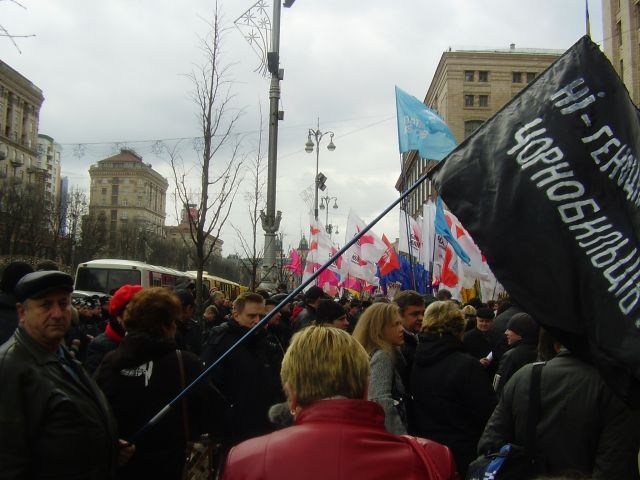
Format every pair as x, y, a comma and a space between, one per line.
393, 332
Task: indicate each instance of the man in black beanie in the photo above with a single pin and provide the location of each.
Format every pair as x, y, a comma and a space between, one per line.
331, 314
11, 275
522, 337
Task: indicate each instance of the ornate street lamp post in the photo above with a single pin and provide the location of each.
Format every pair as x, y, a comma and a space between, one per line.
313, 140
324, 205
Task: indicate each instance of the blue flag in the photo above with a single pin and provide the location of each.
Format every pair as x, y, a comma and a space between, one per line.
420, 128
442, 228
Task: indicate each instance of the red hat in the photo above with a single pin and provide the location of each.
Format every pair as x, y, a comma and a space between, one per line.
120, 299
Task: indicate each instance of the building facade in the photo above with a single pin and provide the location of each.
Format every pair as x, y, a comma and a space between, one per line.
20, 103
48, 160
468, 87
130, 193
621, 29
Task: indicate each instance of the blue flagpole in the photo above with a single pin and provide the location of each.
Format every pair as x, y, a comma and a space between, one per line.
167, 408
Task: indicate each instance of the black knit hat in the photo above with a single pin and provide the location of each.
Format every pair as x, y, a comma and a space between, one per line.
12, 274
485, 312
524, 325
328, 311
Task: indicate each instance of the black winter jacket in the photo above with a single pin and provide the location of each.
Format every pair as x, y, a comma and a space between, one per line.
246, 377
519, 354
452, 396
584, 428
139, 378
52, 426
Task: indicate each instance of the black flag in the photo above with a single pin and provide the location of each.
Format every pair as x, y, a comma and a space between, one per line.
549, 189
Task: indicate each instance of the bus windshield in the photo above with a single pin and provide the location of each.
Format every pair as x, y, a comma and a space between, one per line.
105, 279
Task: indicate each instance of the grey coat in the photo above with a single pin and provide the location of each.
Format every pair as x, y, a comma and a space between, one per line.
583, 428
386, 389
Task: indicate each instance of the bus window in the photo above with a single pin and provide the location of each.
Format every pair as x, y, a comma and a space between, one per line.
105, 279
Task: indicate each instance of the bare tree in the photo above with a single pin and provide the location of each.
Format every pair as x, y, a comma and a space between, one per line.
93, 238
11, 36
219, 163
253, 255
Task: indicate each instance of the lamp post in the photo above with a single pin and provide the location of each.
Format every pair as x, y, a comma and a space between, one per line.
317, 135
324, 205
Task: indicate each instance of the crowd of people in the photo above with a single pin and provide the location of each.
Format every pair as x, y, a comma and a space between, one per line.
415, 386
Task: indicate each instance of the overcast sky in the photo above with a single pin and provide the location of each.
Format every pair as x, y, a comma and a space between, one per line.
113, 73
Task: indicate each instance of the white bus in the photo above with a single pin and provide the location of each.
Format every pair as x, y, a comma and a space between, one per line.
108, 275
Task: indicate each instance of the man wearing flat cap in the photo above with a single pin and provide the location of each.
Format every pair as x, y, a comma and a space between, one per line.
55, 422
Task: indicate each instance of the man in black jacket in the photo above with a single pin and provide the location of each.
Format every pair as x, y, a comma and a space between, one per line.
54, 421
584, 430
522, 338
246, 376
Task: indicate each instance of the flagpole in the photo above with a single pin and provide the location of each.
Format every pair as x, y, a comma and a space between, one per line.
167, 408
407, 227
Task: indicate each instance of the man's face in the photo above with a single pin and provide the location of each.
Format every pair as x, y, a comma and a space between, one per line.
46, 319
412, 317
250, 315
512, 337
275, 320
340, 322
484, 324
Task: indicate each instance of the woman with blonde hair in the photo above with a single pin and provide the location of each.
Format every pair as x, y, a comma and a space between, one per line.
337, 432
379, 331
452, 395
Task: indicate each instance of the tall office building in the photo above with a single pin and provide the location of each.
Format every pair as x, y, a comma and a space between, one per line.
130, 193
621, 29
468, 87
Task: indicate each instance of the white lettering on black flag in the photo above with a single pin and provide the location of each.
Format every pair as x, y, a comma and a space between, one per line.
549, 189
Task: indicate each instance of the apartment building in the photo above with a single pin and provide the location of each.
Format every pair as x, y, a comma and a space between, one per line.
468, 87
130, 193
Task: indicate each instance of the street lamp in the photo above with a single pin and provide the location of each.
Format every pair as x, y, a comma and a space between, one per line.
317, 135
324, 205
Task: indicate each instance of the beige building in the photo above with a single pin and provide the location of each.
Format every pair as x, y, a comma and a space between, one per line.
20, 102
468, 87
176, 233
130, 193
621, 29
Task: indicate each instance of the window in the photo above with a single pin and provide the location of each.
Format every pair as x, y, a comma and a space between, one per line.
483, 76
517, 77
619, 33
468, 100
530, 77
104, 191
483, 100
125, 202
468, 75
470, 126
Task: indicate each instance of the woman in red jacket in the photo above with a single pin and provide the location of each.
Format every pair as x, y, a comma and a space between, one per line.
337, 432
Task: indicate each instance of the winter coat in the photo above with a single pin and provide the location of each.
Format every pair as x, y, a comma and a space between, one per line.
189, 336
583, 428
246, 377
338, 439
54, 421
305, 318
452, 396
480, 344
139, 378
8, 316
386, 389
100, 346
519, 354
